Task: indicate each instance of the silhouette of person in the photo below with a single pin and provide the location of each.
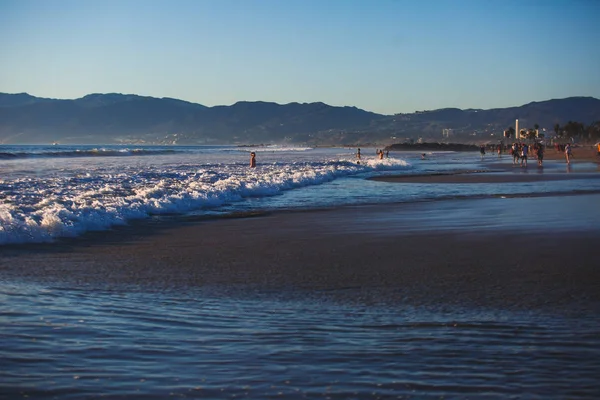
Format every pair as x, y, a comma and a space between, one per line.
540, 155
252, 160
524, 153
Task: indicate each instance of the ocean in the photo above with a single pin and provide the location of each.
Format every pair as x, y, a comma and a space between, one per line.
50, 192
67, 341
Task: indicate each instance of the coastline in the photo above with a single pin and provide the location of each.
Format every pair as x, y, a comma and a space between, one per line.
501, 170
390, 254
482, 177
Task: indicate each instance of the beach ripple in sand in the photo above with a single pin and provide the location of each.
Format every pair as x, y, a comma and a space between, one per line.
76, 344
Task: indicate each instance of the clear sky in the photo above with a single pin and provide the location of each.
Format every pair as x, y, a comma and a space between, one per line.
386, 56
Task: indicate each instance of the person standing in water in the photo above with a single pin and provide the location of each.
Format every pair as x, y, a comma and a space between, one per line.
524, 153
515, 153
252, 160
358, 155
568, 153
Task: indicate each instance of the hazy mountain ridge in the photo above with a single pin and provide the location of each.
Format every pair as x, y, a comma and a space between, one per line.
128, 118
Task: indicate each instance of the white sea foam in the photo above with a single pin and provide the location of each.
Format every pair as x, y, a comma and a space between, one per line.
95, 195
275, 148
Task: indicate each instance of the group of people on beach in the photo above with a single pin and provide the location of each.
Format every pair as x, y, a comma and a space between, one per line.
498, 149
380, 154
520, 153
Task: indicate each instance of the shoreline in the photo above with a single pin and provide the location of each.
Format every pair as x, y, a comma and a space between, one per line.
380, 254
482, 177
519, 252
501, 170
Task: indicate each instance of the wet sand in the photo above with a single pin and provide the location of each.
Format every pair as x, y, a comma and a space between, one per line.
356, 254
579, 154
482, 177
503, 171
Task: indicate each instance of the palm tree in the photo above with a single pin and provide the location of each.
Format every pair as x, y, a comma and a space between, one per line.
510, 132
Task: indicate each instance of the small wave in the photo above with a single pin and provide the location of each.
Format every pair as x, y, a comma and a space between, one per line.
8, 156
100, 152
273, 148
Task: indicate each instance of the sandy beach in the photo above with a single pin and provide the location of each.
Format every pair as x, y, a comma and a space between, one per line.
436, 253
503, 172
580, 154
366, 254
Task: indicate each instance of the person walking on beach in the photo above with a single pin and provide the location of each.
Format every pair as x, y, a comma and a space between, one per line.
482, 151
515, 152
524, 151
499, 149
540, 154
568, 153
252, 160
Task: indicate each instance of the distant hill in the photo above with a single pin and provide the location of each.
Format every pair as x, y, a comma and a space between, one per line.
127, 118
483, 123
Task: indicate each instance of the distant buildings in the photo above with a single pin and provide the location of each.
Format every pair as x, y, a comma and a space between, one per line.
446, 133
524, 133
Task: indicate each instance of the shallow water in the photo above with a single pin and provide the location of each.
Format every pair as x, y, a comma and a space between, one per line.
66, 343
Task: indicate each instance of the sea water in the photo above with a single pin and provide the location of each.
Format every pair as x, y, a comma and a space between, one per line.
49, 192
67, 342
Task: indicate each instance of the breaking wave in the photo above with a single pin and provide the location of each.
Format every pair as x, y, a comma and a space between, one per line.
41, 209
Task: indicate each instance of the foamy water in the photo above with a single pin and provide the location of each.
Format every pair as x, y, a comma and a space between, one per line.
48, 192
57, 192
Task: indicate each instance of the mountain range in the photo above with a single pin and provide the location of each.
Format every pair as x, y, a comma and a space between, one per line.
126, 118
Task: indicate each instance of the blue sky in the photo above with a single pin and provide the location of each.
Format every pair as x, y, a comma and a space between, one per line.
386, 56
